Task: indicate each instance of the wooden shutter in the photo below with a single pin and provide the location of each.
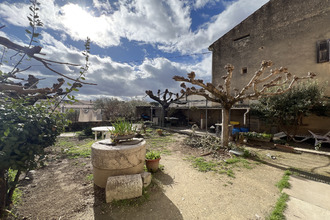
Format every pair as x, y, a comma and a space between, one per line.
323, 51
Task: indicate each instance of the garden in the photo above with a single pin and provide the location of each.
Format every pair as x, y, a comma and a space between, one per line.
46, 173
189, 184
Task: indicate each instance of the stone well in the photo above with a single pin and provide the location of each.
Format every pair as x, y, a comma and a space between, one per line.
122, 159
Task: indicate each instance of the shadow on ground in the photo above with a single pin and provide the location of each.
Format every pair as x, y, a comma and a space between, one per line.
154, 204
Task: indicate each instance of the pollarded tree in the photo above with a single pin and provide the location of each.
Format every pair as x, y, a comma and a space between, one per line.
165, 99
259, 86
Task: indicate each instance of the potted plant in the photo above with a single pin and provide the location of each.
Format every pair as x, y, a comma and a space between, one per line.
152, 161
122, 131
257, 136
159, 132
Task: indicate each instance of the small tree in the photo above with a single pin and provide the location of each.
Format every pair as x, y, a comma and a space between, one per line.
165, 99
113, 108
259, 86
288, 109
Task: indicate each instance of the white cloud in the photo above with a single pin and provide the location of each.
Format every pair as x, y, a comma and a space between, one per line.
14, 13
164, 24
220, 24
102, 5
201, 3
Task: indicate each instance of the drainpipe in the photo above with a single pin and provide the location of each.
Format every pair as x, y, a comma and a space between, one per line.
206, 116
247, 111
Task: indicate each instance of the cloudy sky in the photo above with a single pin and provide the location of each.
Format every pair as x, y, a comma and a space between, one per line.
137, 45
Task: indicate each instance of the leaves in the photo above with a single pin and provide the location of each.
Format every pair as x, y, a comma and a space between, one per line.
26, 130
286, 110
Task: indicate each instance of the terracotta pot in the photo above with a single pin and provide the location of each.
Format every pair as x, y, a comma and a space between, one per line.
152, 165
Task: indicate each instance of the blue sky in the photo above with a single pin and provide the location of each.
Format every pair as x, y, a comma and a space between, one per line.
137, 45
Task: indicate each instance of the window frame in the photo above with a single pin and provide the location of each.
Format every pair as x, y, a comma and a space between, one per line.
323, 51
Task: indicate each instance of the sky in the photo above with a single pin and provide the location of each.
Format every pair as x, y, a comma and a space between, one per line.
136, 45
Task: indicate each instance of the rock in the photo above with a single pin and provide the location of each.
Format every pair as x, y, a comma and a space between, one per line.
146, 178
123, 187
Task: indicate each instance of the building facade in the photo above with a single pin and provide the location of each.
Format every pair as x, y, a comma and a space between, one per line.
291, 33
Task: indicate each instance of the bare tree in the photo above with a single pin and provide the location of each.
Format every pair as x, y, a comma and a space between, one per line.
259, 86
165, 99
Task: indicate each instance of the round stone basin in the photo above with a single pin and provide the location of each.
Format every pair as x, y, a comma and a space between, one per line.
122, 159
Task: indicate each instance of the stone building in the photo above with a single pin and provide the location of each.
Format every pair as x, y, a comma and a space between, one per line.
293, 34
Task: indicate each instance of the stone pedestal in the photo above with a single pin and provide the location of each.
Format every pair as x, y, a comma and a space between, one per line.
122, 159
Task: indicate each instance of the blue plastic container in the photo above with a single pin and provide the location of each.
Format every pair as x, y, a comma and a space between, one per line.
235, 131
244, 129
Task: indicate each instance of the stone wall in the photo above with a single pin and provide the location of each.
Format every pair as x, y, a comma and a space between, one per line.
283, 31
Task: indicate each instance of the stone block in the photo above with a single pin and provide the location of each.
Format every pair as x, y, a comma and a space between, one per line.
146, 178
101, 175
123, 187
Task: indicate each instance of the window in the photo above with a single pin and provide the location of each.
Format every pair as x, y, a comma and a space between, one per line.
323, 51
244, 70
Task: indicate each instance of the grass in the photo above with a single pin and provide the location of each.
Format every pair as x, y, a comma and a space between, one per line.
280, 206
277, 213
284, 182
158, 143
202, 165
90, 177
224, 167
70, 148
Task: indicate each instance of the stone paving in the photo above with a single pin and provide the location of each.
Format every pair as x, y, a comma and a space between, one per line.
307, 200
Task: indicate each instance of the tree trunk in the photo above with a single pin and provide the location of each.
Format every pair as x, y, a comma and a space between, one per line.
225, 128
162, 117
3, 191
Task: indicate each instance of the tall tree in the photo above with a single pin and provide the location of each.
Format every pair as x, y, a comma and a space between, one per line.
259, 86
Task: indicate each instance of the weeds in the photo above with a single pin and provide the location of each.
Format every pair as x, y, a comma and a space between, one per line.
277, 213
156, 142
230, 173
90, 177
284, 182
72, 150
222, 167
202, 165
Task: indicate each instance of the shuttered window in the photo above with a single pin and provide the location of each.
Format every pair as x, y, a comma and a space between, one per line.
323, 51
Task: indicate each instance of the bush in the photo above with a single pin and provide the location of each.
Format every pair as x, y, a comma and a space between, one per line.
287, 110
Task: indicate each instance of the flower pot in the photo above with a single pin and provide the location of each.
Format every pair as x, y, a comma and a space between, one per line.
119, 138
152, 165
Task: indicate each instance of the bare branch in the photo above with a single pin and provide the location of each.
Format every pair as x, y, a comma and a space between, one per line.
36, 50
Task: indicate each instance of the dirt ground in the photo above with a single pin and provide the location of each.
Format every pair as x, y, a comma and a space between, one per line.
62, 190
